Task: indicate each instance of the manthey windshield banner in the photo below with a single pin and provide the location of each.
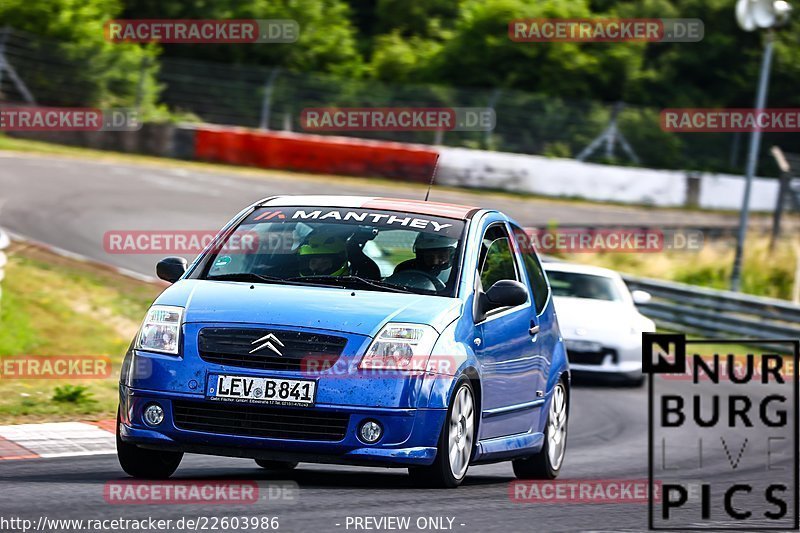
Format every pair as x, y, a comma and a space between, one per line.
358, 217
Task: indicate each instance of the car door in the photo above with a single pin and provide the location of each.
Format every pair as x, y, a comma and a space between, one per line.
505, 344
543, 316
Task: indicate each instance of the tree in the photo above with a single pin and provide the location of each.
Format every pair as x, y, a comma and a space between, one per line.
70, 59
327, 40
481, 53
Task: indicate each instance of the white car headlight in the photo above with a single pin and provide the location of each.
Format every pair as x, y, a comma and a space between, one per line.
161, 330
400, 347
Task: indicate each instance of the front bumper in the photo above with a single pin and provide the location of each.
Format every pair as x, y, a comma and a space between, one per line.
622, 360
409, 437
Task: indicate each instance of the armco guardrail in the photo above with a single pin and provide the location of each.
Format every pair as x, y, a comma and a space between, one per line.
710, 312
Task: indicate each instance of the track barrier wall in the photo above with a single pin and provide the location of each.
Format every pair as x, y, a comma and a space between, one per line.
458, 167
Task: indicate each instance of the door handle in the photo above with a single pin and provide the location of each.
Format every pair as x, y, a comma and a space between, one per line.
534, 330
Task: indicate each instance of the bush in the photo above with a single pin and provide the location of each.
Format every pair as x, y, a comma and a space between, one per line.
77, 394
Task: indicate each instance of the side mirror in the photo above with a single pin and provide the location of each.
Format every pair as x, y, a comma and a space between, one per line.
641, 297
506, 293
171, 268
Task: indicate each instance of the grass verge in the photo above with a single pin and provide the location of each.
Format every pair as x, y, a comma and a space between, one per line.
764, 272
57, 306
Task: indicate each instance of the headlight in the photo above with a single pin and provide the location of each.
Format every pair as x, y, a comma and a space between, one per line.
161, 330
400, 347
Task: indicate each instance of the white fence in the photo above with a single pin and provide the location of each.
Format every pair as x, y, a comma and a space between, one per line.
463, 167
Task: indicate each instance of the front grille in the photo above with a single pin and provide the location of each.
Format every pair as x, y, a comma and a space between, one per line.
232, 346
590, 358
259, 421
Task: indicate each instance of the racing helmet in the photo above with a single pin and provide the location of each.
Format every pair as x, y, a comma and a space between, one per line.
435, 252
323, 255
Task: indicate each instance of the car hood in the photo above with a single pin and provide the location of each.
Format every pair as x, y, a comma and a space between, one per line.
599, 320
345, 310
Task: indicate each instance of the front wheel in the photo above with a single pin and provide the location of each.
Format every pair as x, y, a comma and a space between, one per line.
454, 450
146, 464
547, 463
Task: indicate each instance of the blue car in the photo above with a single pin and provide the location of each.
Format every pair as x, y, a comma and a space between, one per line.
351, 330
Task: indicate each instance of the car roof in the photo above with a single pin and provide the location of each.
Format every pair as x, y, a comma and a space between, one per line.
406, 205
580, 269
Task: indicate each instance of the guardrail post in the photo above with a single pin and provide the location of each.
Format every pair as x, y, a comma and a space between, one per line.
266, 103
4, 242
693, 179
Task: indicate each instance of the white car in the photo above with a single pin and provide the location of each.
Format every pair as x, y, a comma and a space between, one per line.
600, 324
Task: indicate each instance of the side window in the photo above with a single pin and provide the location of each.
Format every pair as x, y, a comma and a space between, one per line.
497, 258
533, 268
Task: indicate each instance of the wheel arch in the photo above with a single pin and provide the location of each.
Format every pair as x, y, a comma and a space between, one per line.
471, 373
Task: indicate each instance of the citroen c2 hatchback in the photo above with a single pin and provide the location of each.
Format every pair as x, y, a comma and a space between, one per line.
351, 330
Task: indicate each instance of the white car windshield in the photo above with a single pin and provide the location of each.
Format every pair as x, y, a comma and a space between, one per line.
578, 285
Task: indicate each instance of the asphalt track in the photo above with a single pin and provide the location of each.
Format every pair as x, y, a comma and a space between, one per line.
71, 203
607, 441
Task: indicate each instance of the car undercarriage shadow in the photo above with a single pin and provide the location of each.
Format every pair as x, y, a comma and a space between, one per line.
590, 381
390, 478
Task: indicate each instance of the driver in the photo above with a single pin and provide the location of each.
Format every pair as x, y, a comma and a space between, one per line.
323, 255
276, 255
434, 256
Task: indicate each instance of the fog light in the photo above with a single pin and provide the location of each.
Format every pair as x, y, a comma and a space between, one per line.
153, 414
370, 432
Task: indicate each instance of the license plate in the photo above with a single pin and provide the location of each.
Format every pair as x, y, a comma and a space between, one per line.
275, 391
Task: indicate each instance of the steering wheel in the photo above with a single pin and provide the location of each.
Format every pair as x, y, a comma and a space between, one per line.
417, 279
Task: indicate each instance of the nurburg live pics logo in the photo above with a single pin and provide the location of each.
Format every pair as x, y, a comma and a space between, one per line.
733, 427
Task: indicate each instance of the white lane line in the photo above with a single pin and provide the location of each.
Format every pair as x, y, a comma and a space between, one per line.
85, 259
60, 439
180, 186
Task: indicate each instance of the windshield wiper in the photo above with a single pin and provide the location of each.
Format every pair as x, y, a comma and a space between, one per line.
259, 278
357, 280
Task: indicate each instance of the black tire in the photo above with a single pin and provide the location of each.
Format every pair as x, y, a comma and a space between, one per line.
539, 465
440, 474
276, 465
146, 464
636, 382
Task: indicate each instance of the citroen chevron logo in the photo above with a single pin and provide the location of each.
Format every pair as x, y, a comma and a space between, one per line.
267, 341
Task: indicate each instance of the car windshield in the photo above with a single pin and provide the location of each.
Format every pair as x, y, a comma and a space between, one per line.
577, 285
352, 248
